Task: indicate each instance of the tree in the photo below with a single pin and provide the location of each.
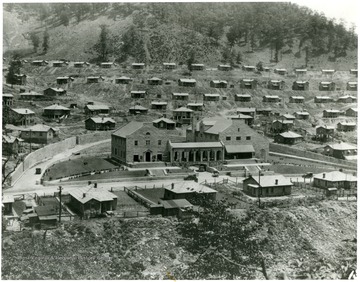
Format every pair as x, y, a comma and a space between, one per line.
102, 47
191, 59
45, 44
14, 69
35, 41
7, 172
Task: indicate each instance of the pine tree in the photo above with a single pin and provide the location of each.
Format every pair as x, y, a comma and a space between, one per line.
35, 41
45, 44
14, 69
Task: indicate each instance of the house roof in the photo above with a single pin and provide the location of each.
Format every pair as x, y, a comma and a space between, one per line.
272, 96
182, 109
138, 64
7, 199
290, 134
352, 83
155, 78
62, 77
325, 127
56, 89
325, 82
247, 80
297, 97
8, 95
219, 81
302, 113
166, 120
347, 123
300, 82
332, 111
197, 65
169, 64
138, 91
124, 78
195, 104
288, 116
252, 67
178, 203
269, 180
196, 145
352, 109
342, 146
246, 110
181, 94
322, 97
280, 69
102, 119
239, 149
275, 81
31, 94
217, 124
328, 70
128, 129
85, 194
97, 107
107, 63
93, 77
189, 80
45, 210
188, 187
212, 95
240, 116
347, 96
23, 111
138, 108
335, 176
160, 103
10, 139
224, 66
283, 121
39, 128
300, 69
243, 95
57, 107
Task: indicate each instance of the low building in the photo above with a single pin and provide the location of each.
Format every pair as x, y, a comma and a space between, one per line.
331, 113
93, 79
354, 71
7, 99
53, 92
280, 71
196, 107
248, 83
351, 112
39, 134
63, 79
302, 115
80, 64
249, 68
325, 131
323, 99
279, 126
138, 66
91, 110
271, 99
328, 72
123, 80
242, 97
177, 207
275, 84
169, 66
197, 67
300, 85
343, 151
159, 105
138, 110
31, 96
180, 96
300, 71
249, 120
56, 111
211, 97
346, 126
335, 179
218, 83
164, 123
224, 67
11, 145
287, 117
58, 64
246, 111
136, 94
183, 115
191, 191
327, 86
267, 186
155, 81
264, 111
352, 86
100, 123
20, 79
346, 99
288, 138
46, 216
296, 99
106, 65
187, 82
21, 117
91, 202
39, 63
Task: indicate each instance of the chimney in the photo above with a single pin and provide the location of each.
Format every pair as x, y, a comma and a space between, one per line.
84, 195
89, 182
172, 186
276, 181
95, 185
324, 175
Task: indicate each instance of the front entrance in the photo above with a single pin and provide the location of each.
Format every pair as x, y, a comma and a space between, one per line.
148, 157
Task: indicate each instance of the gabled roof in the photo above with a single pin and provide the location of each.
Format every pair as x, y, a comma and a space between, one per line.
352, 83
219, 81
124, 78
329, 127
224, 66
217, 124
6, 199
326, 82
97, 107
128, 129
332, 111
10, 139
181, 94
56, 89
252, 67
240, 116
246, 110
280, 69
322, 97
290, 134
166, 120
347, 123
347, 96
102, 120
271, 96
138, 91
138, 108
328, 70
198, 65
247, 80
297, 97
169, 64
302, 113
195, 104
155, 78
189, 80
284, 121
188, 187
300, 69
182, 109
57, 107
100, 195
269, 180
62, 77
8, 95
23, 111
243, 95
138, 64
342, 146
288, 116
31, 94
335, 176
212, 95
159, 103
353, 109
275, 81
39, 128
300, 82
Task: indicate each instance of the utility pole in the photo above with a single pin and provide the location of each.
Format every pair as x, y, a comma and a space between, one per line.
260, 189
60, 190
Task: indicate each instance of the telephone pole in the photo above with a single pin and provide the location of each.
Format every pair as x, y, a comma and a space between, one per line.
60, 190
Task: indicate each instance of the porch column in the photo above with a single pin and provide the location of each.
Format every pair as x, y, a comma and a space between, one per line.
215, 153
187, 156
194, 156
201, 155
208, 156
222, 154
171, 155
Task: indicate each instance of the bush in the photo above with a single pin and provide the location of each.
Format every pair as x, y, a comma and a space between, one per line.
172, 255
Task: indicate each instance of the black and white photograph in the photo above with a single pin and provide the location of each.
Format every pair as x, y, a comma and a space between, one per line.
179, 140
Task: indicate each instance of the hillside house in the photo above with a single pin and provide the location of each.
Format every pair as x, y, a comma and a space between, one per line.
327, 86
53, 92
224, 67
138, 66
246, 111
177, 207
159, 105
39, 63
249, 120
247, 83
266, 69
249, 68
271, 99
300, 71
169, 66
39, 134
187, 82
93, 79
123, 80
11, 145
20, 79
346, 126
106, 65
80, 64
197, 67
21, 117
280, 71
328, 72
323, 99
302, 115
190, 191
57, 64
196, 107
354, 71
300, 85
335, 179
264, 111
7, 99
211, 97
30, 96
351, 112
287, 117
267, 186
155, 81
218, 83
352, 86
164, 123
138, 110
343, 151
91, 110
275, 84
288, 138
325, 131
242, 97
45, 216
183, 115
137, 94
56, 111
296, 99
279, 126
180, 96
100, 123
346, 99
91, 202
331, 113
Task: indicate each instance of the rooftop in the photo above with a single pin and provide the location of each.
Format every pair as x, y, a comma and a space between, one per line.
97, 107
290, 134
335, 176
342, 146
85, 194
166, 120
23, 111
189, 80
188, 187
270, 180
102, 119
178, 203
183, 109
128, 129
56, 107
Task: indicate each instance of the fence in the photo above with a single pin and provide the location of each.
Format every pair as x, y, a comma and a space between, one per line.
278, 148
129, 214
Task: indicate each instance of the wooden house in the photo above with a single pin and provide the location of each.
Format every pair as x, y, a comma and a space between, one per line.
53, 92
296, 99
247, 83
93, 79
20, 79
327, 86
80, 64
159, 105
300, 85
346, 99
288, 138
264, 111
354, 71
180, 96
7, 99
21, 116
100, 123
242, 97
343, 151
276, 84
57, 64
138, 66
323, 99
11, 145
300, 71
56, 111
39, 63
302, 115
63, 79
271, 99
351, 112
39, 134
197, 67
183, 115
267, 186
331, 113
352, 86
106, 65
123, 80
136, 94
324, 131
196, 107
224, 67
91, 110
155, 81
246, 111
30, 96
279, 126
187, 82
287, 117
7, 201
218, 83
138, 110
280, 71
164, 123
328, 72
249, 68
335, 179
346, 126
169, 66
211, 97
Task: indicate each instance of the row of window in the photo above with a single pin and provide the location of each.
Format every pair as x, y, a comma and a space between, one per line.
238, 138
147, 142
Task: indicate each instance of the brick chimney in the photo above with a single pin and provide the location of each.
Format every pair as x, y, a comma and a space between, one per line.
276, 181
324, 175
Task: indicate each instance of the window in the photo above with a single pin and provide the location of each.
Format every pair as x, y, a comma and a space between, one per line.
228, 138
115, 151
248, 137
147, 133
147, 142
238, 129
238, 138
135, 142
159, 142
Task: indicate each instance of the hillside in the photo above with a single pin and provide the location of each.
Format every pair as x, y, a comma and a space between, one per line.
175, 32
